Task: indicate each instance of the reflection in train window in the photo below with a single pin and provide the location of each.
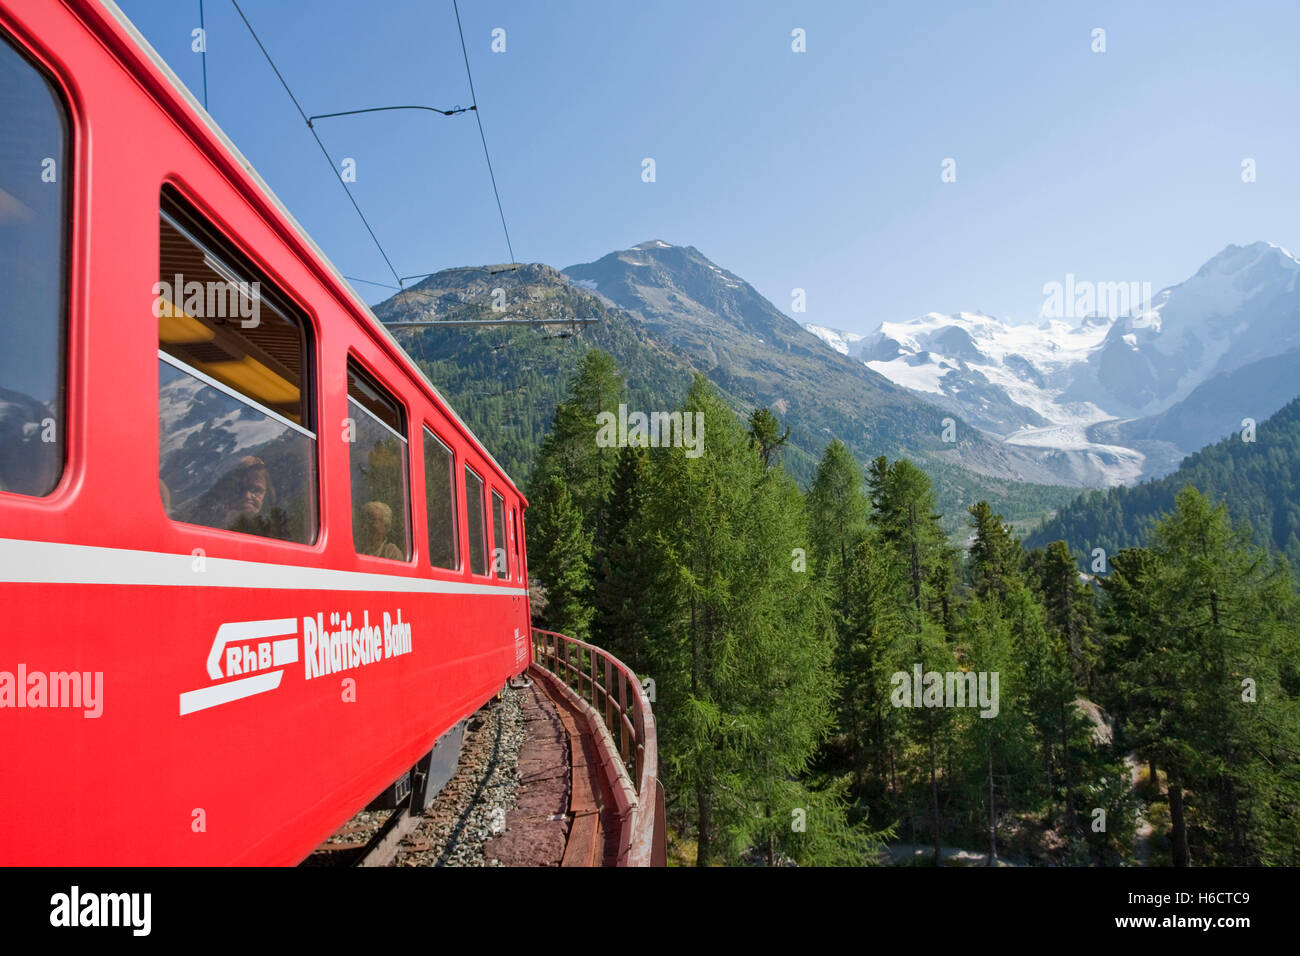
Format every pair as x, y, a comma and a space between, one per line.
378, 457
499, 563
34, 176
440, 502
477, 525
235, 449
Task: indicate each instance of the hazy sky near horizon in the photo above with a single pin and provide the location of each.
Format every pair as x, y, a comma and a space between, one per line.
819, 170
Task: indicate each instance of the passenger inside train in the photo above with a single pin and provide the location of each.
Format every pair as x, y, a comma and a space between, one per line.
375, 520
240, 493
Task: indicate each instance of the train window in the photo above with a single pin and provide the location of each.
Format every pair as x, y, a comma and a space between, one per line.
514, 545
34, 177
499, 536
377, 433
236, 445
440, 502
477, 524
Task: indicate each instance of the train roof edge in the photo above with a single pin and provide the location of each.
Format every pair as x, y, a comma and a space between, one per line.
213, 127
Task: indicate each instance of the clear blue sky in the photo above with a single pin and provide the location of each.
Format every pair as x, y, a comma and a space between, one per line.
819, 170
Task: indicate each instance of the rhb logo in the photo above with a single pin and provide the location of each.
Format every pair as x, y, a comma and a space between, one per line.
255, 651
249, 657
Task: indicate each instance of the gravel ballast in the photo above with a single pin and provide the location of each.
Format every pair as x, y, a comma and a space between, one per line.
472, 807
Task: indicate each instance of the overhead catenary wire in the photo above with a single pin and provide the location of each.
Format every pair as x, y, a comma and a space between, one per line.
479, 117
424, 275
308, 120
203, 32
382, 285
473, 107
435, 323
316, 136
382, 109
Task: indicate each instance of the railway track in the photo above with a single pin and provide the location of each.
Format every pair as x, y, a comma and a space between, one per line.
528, 791
459, 821
554, 772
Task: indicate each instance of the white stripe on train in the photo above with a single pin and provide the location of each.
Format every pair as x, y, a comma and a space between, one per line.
48, 562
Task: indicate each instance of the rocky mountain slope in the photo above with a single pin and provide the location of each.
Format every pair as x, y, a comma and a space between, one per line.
723, 326
686, 316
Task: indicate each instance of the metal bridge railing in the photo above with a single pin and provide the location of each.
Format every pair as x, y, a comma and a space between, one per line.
614, 693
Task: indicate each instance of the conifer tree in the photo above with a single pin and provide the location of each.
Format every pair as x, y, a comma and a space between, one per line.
868, 591
765, 432
1044, 688
1070, 606
930, 727
903, 509
562, 568
1203, 620
903, 512
876, 641
623, 599
1049, 693
741, 653
1230, 617
571, 460
569, 452
1002, 633
837, 507
996, 742
995, 553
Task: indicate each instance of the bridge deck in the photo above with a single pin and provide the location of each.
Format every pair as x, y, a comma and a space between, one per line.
564, 813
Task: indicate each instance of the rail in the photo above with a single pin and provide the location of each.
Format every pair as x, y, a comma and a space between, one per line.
623, 706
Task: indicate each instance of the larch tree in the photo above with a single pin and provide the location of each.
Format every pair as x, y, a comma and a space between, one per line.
1070, 606
622, 597
570, 461
563, 568
765, 434
570, 451
904, 513
903, 509
1203, 622
741, 651
1229, 624
837, 516
876, 641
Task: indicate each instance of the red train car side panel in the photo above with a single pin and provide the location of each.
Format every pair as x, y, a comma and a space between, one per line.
187, 694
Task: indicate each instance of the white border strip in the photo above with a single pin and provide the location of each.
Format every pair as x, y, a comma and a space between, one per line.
49, 562
379, 421
229, 392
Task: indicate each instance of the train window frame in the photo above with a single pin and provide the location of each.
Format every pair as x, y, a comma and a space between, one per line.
65, 168
466, 472
363, 374
514, 541
500, 545
230, 258
458, 559
200, 226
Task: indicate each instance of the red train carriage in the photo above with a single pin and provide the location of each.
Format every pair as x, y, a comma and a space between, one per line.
252, 566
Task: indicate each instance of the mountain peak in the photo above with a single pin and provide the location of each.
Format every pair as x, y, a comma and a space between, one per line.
706, 311
1233, 259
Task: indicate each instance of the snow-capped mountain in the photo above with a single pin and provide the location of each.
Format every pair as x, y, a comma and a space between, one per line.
842, 342
1008, 376
1240, 306
1052, 385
